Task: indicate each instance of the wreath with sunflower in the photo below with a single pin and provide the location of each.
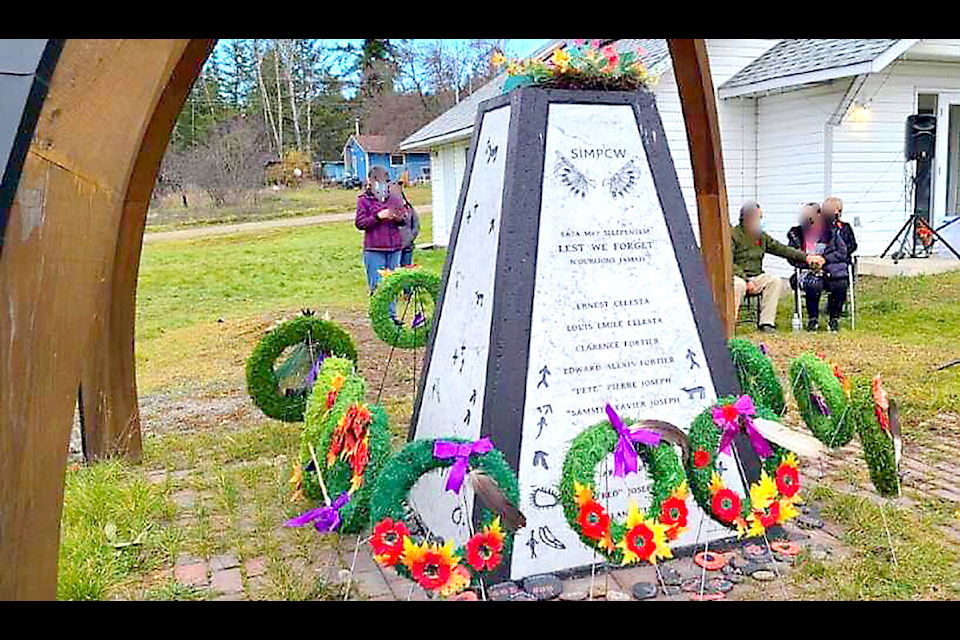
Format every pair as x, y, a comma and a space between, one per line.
347, 439
420, 288
822, 393
772, 498
643, 537
401, 541
312, 340
756, 374
879, 431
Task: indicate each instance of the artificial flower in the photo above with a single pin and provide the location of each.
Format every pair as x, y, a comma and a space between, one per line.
581, 494
844, 380
431, 565
645, 539
498, 59
701, 459
769, 515
612, 56
335, 385
459, 580
594, 520
515, 69
788, 476
560, 59
881, 403
756, 527
726, 505
595, 44
485, 549
763, 492
579, 43
350, 441
673, 512
387, 541
787, 511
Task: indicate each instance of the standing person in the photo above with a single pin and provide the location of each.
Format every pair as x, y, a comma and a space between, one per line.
750, 243
408, 231
380, 214
818, 234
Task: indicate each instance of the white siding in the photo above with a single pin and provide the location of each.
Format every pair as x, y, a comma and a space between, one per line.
790, 157
737, 125
447, 166
868, 167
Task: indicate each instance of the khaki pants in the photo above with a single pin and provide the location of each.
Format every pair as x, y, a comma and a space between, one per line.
768, 287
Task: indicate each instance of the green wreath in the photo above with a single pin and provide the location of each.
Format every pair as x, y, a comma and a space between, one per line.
589, 518
263, 383
721, 503
809, 374
878, 447
390, 512
418, 282
756, 374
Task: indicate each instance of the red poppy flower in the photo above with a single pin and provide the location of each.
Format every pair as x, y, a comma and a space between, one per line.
484, 551
593, 520
788, 480
640, 540
726, 505
701, 459
673, 512
431, 570
769, 516
332, 397
387, 541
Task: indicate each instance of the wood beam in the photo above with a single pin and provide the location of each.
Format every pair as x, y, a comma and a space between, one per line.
111, 414
60, 248
691, 67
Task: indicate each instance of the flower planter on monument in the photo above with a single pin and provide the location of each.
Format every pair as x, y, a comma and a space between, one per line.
573, 280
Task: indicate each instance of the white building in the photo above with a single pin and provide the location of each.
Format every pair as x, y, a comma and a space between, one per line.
799, 120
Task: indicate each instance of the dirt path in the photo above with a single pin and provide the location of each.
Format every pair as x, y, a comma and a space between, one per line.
251, 227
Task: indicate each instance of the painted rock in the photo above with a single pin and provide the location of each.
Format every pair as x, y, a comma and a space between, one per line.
543, 587
706, 596
755, 553
752, 567
719, 584
522, 596
784, 558
691, 585
618, 596
466, 595
644, 590
573, 596
805, 521
670, 576
502, 591
599, 590
763, 575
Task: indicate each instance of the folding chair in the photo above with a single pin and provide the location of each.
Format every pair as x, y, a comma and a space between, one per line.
851, 295
751, 305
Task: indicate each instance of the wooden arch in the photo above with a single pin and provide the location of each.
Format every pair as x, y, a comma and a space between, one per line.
71, 254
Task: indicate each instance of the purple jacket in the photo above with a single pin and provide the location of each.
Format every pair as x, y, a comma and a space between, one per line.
380, 235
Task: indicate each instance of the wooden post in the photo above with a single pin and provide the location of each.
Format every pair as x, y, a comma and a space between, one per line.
111, 415
692, 71
57, 267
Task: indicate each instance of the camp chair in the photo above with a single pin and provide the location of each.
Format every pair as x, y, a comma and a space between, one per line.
750, 309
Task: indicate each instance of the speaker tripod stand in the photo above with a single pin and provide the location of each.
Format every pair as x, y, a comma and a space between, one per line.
915, 222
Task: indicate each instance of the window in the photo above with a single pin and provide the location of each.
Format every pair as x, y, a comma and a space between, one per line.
927, 103
425, 173
396, 160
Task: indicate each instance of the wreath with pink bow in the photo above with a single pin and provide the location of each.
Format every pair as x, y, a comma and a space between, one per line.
771, 499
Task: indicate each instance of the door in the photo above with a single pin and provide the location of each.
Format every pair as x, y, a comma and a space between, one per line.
946, 176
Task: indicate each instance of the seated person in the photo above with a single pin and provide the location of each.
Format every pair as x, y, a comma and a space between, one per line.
750, 244
834, 206
818, 234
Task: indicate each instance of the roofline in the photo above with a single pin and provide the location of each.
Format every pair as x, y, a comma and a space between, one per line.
428, 143
861, 68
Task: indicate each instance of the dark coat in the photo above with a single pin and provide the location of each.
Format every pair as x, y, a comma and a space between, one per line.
834, 253
846, 232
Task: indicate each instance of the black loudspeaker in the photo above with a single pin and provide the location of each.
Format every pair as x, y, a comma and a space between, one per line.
921, 136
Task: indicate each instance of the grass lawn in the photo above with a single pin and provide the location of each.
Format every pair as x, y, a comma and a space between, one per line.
215, 482
307, 200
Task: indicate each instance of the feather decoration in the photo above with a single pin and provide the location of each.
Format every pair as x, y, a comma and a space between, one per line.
493, 498
668, 432
569, 175
799, 443
623, 180
894, 413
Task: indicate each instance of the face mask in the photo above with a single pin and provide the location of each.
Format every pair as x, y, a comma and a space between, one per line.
381, 190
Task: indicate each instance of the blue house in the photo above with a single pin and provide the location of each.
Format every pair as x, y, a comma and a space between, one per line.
331, 170
367, 150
